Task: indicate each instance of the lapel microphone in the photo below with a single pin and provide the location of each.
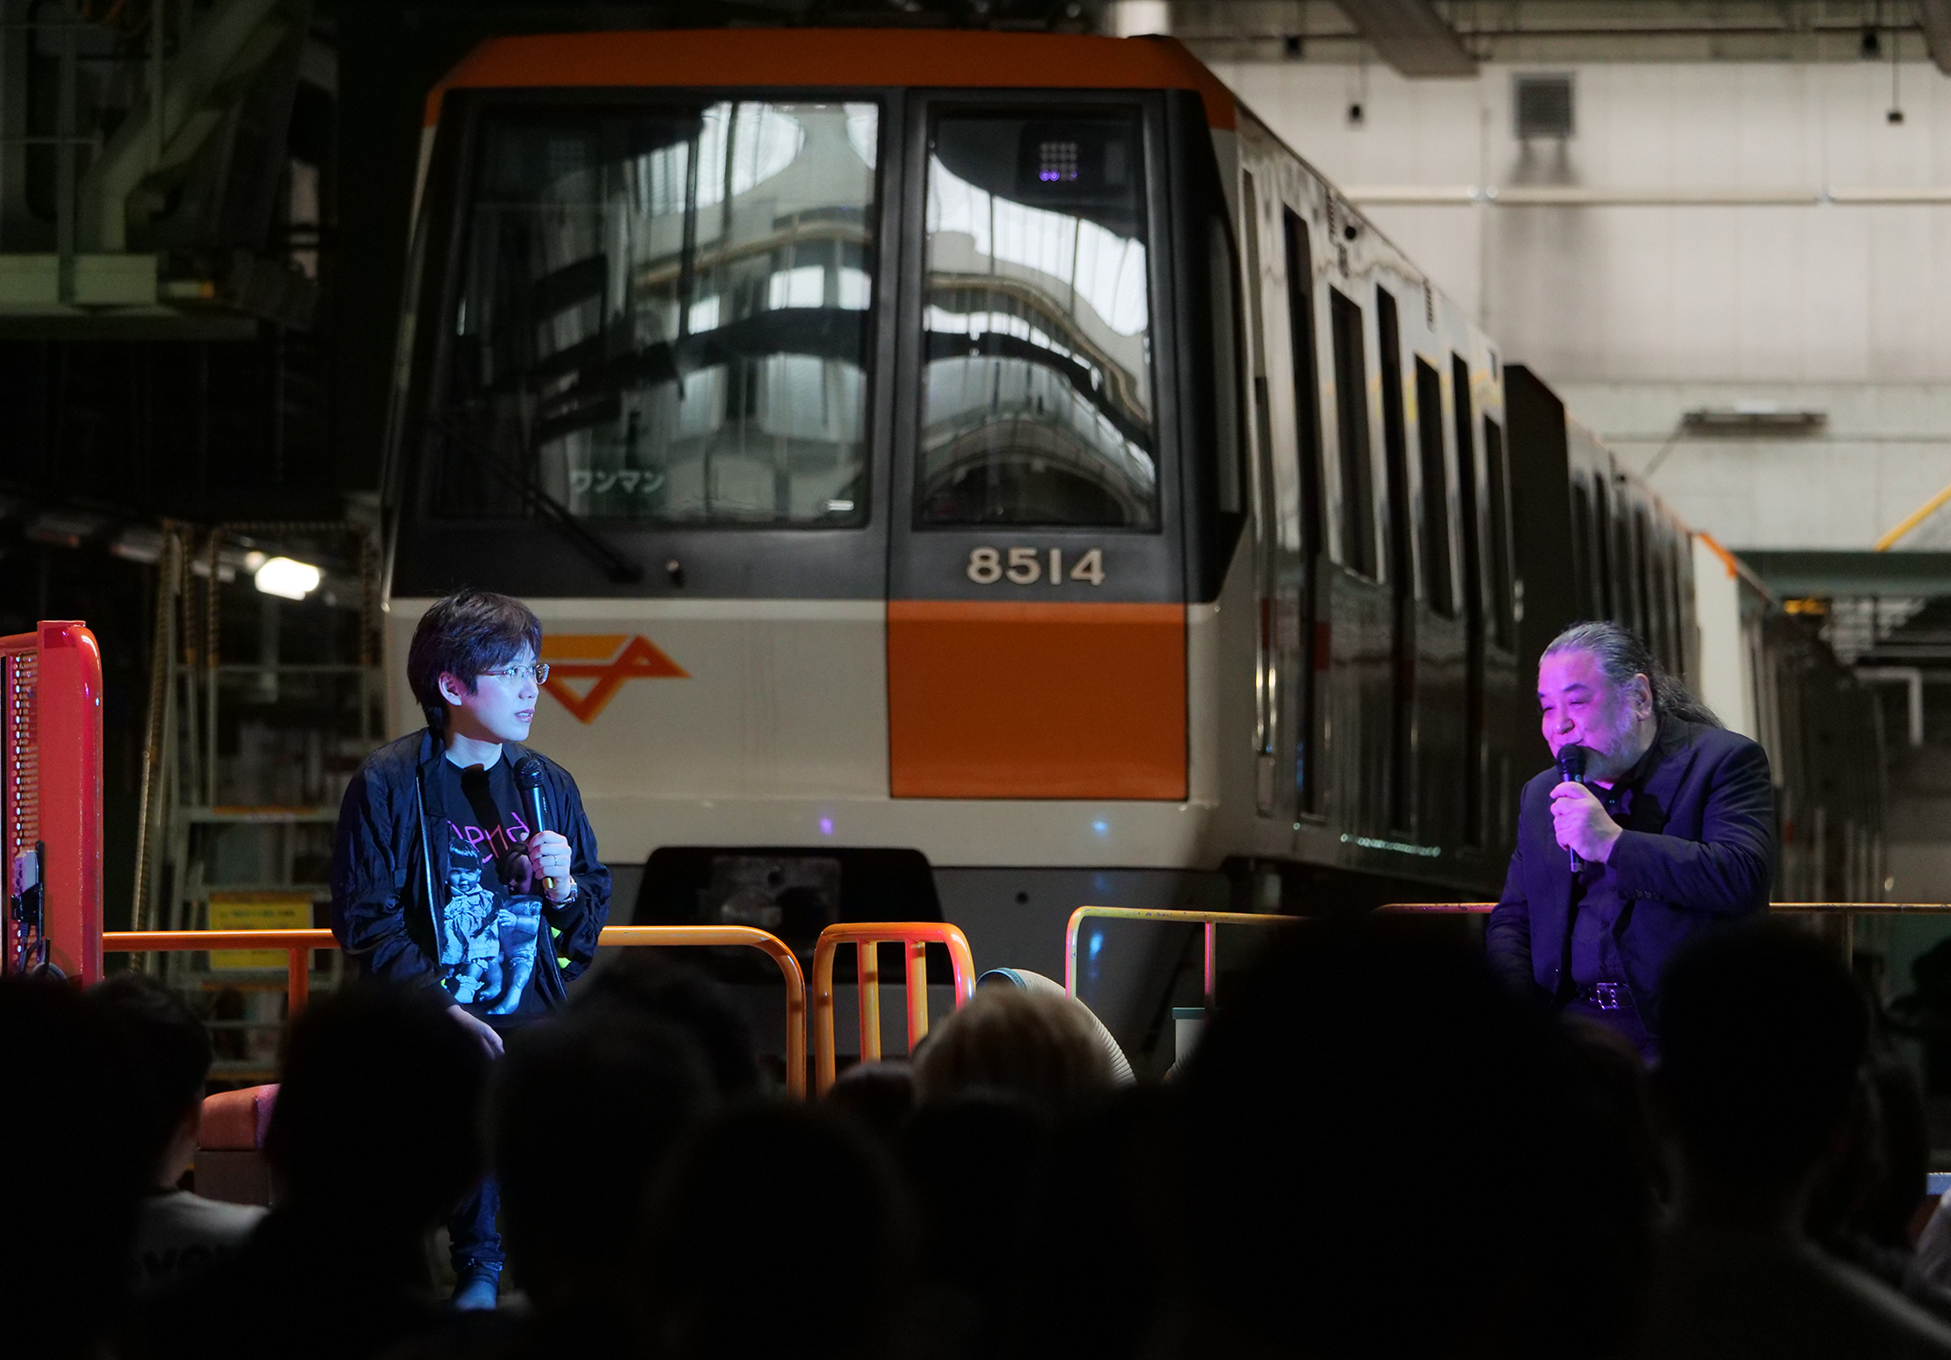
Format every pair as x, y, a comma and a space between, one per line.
528, 778
1571, 768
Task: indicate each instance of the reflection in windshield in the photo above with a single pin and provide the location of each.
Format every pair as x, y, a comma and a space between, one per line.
1036, 402
661, 317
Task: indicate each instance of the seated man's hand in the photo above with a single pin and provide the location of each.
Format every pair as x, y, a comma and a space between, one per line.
484, 1032
1581, 823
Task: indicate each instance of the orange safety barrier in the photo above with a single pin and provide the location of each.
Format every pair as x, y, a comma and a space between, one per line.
867, 936
51, 797
752, 938
1211, 920
1844, 912
298, 944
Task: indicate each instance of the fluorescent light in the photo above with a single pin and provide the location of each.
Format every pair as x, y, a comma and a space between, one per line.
287, 579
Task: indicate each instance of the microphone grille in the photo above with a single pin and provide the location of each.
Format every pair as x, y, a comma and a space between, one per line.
528, 773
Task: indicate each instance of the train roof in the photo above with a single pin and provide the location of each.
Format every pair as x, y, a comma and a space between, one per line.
842, 58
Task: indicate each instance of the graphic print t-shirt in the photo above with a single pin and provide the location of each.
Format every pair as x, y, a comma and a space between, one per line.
491, 913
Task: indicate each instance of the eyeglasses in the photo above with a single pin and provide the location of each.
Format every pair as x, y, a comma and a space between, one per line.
540, 671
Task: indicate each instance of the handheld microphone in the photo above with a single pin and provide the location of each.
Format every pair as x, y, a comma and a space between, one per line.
528, 778
1571, 768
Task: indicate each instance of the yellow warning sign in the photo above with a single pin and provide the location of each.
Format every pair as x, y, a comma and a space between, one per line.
257, 911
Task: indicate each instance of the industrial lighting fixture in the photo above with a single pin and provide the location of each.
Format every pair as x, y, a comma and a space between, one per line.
1752, 419
286, 578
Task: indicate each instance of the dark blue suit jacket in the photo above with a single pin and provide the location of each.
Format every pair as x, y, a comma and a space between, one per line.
1698, 850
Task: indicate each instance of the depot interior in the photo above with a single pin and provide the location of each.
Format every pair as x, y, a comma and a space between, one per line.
1720, 232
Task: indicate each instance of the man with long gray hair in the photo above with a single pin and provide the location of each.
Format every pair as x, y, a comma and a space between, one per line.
1666, 831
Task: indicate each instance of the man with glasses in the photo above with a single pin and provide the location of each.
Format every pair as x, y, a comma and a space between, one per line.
440, 881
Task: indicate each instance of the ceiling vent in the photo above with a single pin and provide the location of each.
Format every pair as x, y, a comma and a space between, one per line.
1542, 106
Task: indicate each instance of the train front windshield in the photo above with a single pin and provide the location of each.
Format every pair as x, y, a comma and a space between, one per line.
1036, 400
661, 316
664, 317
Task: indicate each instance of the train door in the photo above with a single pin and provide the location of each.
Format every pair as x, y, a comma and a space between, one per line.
1502, 683
1274, 588
1357, 599
1036, 618
1312, 651
1470, 499
1401, 568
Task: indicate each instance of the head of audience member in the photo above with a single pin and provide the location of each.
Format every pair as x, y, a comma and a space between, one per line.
1886, 1213
726, 1273
1609, 1068
174, 1052
1325, 1110
615, 1093
1763, 1037
879, 1096
77, 1171
679, 995
376, 1131
1100, 1230
975, 1164
1044, 1049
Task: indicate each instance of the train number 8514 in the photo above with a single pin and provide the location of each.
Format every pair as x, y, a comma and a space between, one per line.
1027, 566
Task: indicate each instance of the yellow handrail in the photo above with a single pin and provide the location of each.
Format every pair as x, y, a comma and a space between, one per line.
1211, 920
298, 945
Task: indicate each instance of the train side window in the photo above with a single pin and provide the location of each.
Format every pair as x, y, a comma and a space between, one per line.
1441, 589
1036, 394
1602, 547
1307, 391
1223, 282
1502, 622
1395, 457
1466, 486
1358, 547
1582, 550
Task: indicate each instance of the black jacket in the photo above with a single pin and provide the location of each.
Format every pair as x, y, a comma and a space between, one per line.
1698, 850
385, 866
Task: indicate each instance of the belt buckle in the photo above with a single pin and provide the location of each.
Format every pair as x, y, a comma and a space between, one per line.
1607, 995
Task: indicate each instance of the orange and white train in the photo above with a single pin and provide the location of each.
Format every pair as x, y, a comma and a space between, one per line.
962, 474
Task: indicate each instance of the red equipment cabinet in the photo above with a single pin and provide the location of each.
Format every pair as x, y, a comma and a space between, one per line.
51, 789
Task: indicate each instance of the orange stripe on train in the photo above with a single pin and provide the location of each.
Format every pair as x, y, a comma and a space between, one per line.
1021, 700
844, 58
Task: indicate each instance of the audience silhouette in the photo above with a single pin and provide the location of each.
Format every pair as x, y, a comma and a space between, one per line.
1375, 1152
375, 1136
1764, 1040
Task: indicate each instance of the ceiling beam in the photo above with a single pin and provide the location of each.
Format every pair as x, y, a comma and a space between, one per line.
1934, 17
1412, 37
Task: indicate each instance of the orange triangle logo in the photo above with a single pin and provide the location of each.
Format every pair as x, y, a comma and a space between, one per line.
640, 659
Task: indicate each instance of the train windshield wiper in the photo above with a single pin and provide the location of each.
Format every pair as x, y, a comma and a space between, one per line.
552, 512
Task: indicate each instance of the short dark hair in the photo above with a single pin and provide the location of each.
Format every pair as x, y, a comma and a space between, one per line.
172, 1045
1762, 1038
466, 633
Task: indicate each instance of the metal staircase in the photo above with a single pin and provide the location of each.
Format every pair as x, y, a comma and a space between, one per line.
254, 723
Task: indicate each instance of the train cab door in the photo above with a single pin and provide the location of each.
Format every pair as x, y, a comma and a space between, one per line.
1036, 624
1277, 580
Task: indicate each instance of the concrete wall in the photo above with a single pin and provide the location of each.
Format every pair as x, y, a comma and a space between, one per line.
1638, 314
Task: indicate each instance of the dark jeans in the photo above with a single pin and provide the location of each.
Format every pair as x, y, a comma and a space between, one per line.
472, 1239
1626, 1019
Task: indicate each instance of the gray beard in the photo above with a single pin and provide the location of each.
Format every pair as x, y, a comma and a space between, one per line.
1618, 756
